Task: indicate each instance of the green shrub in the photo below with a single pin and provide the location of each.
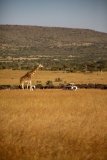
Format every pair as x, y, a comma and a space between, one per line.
49, 82
58, 80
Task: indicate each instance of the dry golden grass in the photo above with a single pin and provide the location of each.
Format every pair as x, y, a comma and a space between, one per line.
53, 125
12, 77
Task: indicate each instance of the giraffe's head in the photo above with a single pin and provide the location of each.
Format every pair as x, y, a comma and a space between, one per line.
40, 65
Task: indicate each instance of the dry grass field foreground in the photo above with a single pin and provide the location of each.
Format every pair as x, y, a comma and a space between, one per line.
11, 77
53, 125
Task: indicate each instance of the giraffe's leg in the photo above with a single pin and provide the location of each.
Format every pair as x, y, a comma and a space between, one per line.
27, 85
22, 86
30, 85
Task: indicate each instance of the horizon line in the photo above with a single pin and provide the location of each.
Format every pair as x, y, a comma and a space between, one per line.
51, 27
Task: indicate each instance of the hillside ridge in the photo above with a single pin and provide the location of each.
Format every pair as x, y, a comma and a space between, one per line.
53, 46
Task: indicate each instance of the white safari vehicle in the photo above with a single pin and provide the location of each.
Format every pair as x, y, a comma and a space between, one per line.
71, 86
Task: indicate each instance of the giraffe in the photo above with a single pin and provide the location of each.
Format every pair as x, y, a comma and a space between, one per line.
27, 77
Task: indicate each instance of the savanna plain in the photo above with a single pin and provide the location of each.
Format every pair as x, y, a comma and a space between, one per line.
53, 124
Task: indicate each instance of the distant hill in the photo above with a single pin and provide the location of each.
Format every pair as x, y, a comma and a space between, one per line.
57, 48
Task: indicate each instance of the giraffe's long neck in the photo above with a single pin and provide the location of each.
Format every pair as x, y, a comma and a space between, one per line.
33, 71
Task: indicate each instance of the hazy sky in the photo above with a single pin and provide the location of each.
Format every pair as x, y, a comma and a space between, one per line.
88, 14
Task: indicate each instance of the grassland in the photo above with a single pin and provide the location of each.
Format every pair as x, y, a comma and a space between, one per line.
12, 77
53, 125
